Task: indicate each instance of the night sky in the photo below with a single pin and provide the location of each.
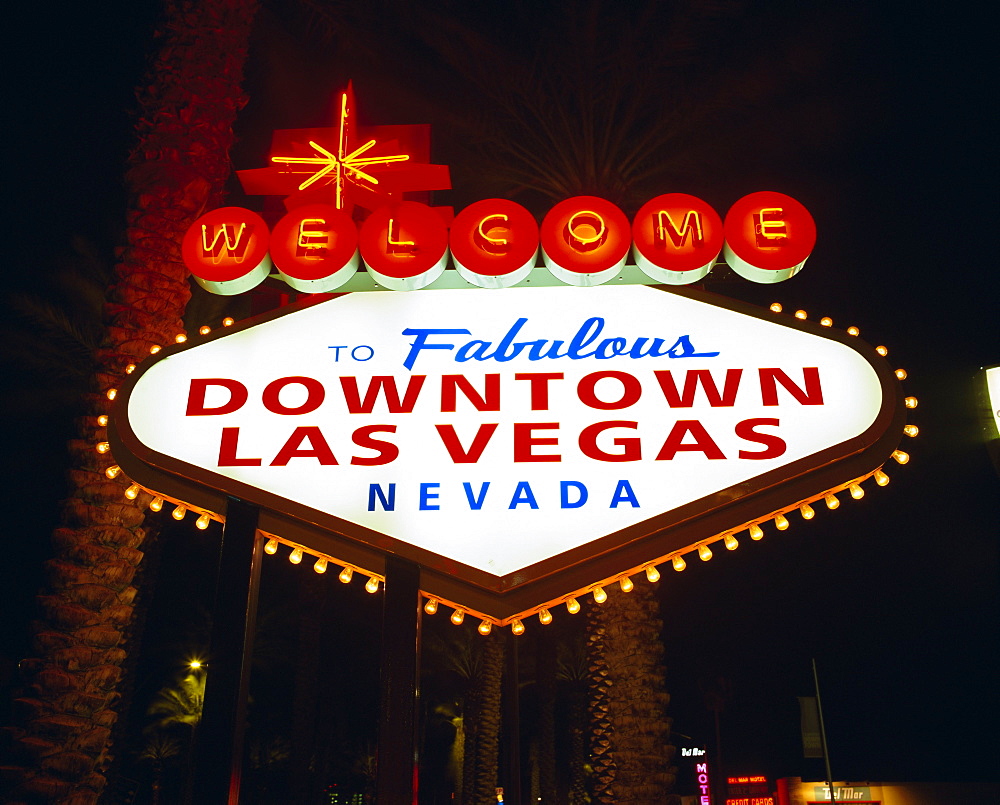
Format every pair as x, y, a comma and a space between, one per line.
876, 119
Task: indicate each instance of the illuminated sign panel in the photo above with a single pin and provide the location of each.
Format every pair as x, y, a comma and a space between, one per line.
993, 392
502, 438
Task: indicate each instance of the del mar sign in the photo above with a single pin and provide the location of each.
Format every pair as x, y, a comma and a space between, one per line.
517, 444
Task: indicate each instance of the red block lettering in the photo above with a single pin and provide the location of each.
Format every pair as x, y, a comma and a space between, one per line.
451, 383
524, 441
227, 450
196, 396
539, 387
631, 447
319, 449
459, 455
386, 383
812, 394
703, 443
693, 377
774, 446
387, 451
315, 394
631, 390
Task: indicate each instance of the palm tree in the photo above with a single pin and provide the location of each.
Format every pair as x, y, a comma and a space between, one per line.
631, 750
182, 704
177, 169
158, 749
477, 663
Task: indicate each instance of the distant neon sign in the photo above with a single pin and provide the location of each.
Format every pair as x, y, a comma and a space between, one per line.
704, 792
674, 239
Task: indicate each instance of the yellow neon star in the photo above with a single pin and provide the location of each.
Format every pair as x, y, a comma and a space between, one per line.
341, 165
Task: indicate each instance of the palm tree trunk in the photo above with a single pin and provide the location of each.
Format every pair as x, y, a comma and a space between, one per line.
482, 722
632, 754
178, 168
545, 665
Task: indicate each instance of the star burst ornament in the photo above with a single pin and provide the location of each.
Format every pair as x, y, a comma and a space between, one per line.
345, 167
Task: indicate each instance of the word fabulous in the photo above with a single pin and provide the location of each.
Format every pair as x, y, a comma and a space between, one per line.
674, 239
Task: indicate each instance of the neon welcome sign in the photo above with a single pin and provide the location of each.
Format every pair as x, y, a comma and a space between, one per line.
325, 173
674, 239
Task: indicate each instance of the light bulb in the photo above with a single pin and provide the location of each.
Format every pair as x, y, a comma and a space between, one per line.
626, 584
320, 566
901, 374
156, 504
154, 349
431, 606
516, 626
881, 478
112, 393
204, 329
800, 314
180, 338
130, 368
485, 627
910, 402
103, 447
372, 585
807, 511
780, 522
458, 616
911, 430
132, 492
883, 351
113, 471
228, 322
704, 553
572, 606
652, 574
756, 532
102, 420
831, 501
853, 331
826, 321
730, 542
600, 596
295, 556
179, 512
544, 616
202, 522
271, 546
678, 563
347, 573
776, 307
900, 456
856, 491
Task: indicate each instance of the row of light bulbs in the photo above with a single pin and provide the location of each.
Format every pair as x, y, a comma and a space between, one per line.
572, 602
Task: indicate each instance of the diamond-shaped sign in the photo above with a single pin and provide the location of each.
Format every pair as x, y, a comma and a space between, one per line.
519, 445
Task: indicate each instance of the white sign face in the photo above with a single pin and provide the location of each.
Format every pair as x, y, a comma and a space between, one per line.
502, 428
993, 392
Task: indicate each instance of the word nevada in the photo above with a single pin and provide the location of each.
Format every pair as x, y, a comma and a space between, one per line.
674, 239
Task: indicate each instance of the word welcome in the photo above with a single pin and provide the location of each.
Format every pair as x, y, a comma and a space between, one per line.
674, 238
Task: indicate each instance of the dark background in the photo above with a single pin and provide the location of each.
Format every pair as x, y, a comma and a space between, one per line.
880, 128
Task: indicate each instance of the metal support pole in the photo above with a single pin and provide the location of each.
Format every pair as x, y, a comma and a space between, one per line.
822, 734
219, 753
396, 775
512, 726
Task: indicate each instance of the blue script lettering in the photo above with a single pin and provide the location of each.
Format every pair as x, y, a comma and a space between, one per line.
583, 344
